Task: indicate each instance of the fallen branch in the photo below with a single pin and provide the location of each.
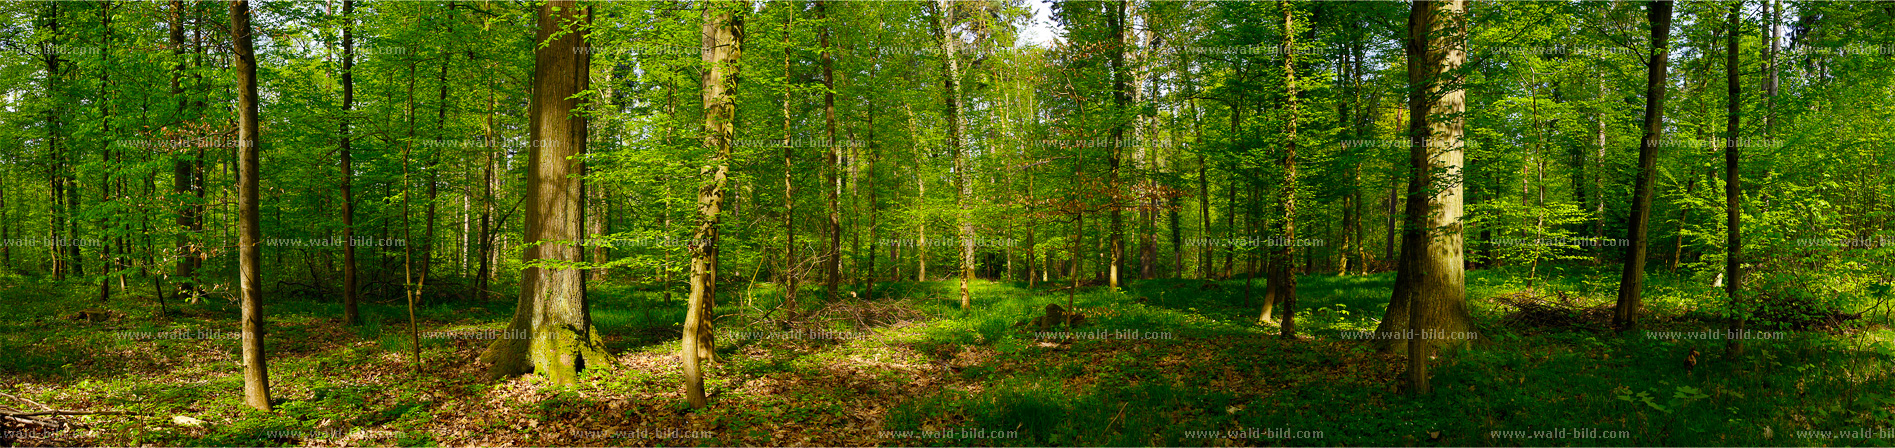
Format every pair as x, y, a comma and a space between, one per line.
35, 403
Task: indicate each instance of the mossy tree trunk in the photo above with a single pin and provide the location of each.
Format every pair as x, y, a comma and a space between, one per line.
722, 48
559, 339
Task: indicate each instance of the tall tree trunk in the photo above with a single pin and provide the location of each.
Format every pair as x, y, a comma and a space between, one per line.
1282, 279
1598, 183
485, 273
1205, 261
722, 48
107, 260
832, 259
181, 165
256, 376
875, 207
1632, 281
1733, 189
552, 307
72, 201
791, 275
433, 167
951, 91
1347, 113
1120, 103
487, 257
61, 263
664, 209
199, 173
1429, 300
350, 293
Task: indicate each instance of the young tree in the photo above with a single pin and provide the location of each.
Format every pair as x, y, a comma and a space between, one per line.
722, 49
256, 376
552, 306
1632, 281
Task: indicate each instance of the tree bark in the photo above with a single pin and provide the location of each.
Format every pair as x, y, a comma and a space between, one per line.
181, 168
256, 377
350, 293
61, 263
1733, 189
108, 262
791, 275
832, 259
1283, 280
1632, 281
1120, 102
722, 49
1429, 299
552, 307
484, 250
951, 93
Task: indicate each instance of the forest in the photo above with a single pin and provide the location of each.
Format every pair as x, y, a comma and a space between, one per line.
947, 223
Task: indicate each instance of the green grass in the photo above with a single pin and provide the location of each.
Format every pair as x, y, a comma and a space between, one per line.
1160, 362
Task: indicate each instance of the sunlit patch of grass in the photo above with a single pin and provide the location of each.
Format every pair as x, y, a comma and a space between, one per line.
1215, 369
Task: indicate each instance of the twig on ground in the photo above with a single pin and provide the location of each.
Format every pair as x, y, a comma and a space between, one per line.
35, 403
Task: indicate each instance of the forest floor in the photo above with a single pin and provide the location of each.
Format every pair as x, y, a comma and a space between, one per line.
1161, 362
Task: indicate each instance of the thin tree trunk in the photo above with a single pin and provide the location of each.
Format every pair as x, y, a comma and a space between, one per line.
791, 275
350, 293
1733, 188
256, 377
56, 215
722, 48
1283, 280
107, 259
1598, 185
433, 167
486, 252
833, 258
1120, 102
1205, 261
875, 206
951, 101
1632, 282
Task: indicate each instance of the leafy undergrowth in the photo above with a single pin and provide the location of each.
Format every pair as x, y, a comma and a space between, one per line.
1163, 362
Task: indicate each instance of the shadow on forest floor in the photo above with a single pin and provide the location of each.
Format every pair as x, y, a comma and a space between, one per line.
1162, 362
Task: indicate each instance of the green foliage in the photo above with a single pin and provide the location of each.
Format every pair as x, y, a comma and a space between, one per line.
1537, 233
